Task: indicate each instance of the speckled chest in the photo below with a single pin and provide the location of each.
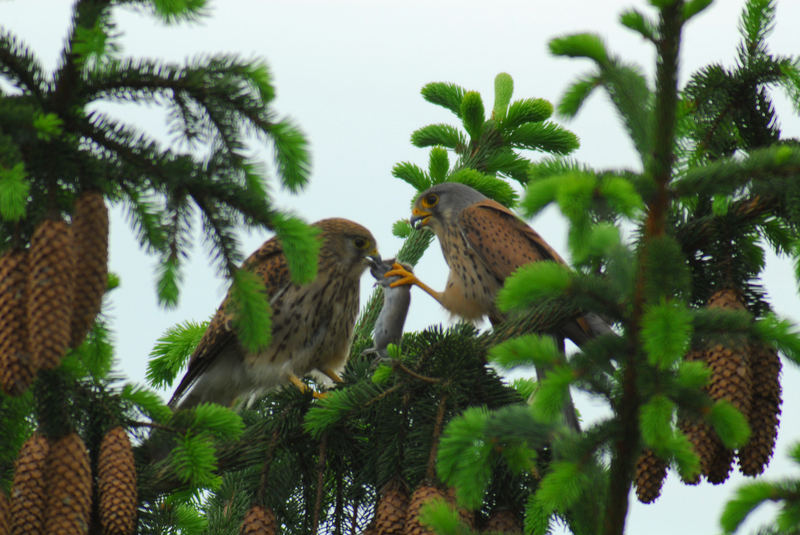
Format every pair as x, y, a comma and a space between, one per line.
469, 275
312, 325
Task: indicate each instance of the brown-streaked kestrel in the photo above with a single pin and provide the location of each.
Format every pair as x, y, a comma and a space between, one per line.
483, 243
312, 324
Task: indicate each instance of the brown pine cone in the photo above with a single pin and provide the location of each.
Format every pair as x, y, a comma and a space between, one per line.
69, 488
116, 483
765, 410
17, 368
258, 521
730, 377
650, 474
28, 493
50, 291
466, 516
390, 513
704, 443
90, 249
721, 465
4, 513
503, 521
424, 494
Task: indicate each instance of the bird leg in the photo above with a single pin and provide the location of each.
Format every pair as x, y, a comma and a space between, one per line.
303, 387
332, 374
406, 277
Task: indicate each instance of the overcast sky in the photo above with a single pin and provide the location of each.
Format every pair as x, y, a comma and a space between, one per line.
349, 73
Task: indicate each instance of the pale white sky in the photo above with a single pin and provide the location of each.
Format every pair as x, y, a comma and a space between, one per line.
349, 73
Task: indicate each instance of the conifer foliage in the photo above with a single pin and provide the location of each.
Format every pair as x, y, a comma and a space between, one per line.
63, 162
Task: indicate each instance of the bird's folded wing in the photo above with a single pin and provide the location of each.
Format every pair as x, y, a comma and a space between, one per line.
502, 240
269, 263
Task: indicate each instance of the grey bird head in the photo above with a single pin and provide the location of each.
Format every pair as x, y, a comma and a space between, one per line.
440, 205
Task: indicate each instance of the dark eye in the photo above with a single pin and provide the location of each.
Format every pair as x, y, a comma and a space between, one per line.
430, 200
361, 243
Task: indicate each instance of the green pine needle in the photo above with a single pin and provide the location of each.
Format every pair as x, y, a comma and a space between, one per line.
694, 374
543, 136
666, 333
576, 94
537, 520
251, 313
172, 351
548, 400
639, 23
442, 517
493, 187
14, 188
524, 387
582, 45
529, 110
189, 520
259, 76
503, 89
168, 282
730, 424
413, 175
533, 282
560, 488
472, 114
48, 126
758, 20
300, 245
780, 333
438, 165
680, 448
402, 228
694, 7
463, 456
575, 194
217, 421
438, 134
747, 498
526, 350
292, 156
655, 419
194, 461
539, 193
382, 374
147, 401
621, 195
172, 11
444, 94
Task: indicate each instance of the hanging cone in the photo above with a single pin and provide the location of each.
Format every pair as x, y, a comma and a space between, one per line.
69, 488
116, 484
258, 521
765, 410
704, 443
650, 474
503, 521
28, 493
17, 368
390, 513
4, 514
90, 249
730, 377
50, 290
721, 465
424, 494
467, 516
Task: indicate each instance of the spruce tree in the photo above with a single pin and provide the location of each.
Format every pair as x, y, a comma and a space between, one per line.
62, 162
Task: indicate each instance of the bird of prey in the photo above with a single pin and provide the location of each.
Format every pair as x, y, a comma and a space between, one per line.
312, 324
483, 243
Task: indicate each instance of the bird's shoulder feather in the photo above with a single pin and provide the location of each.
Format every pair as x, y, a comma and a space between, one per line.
502, 240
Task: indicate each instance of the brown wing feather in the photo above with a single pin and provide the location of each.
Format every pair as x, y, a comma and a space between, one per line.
502, 240
270, 264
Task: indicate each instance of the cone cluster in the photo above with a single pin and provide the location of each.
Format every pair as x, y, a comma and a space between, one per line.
258, 521
4, 513
650, 474
52, 487
424, 494
51, 293
116, 483
503, 521
390, 513
747, 376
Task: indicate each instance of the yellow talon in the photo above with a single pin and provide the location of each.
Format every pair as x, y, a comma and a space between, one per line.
333, 375
406, 277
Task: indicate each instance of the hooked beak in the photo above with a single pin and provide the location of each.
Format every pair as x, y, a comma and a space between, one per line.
419, 218
373, 258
